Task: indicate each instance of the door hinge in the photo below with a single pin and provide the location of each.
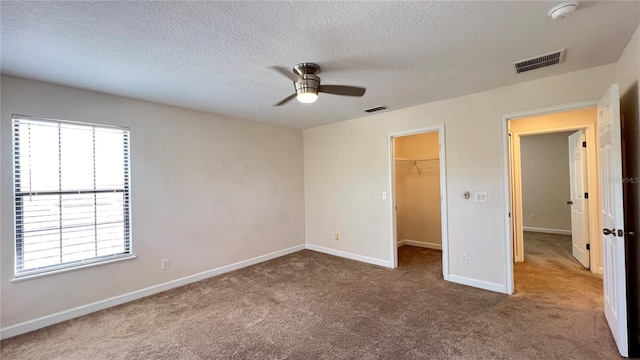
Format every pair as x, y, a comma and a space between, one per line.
584, 144
588, 246
586, 195
509, 214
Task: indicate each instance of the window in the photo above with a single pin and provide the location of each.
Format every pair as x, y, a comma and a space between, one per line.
71, 185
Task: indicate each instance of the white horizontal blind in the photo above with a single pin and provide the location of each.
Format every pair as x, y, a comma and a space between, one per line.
71, 185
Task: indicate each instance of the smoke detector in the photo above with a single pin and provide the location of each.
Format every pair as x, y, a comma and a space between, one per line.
564, 9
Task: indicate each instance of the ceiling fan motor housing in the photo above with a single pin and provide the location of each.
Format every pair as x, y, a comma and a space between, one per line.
309, 82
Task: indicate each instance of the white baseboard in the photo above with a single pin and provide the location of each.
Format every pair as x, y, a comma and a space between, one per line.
420, 244
65, 315
476, 283
547, 231
348, 255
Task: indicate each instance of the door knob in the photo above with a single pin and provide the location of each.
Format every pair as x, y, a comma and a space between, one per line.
630, 233
569, 202
609, 232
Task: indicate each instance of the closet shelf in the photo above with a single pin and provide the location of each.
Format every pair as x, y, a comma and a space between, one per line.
403, 159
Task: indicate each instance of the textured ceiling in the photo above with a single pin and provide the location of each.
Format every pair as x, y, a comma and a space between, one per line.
215, 56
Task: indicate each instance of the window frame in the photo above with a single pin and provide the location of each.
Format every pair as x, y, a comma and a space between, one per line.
19, 272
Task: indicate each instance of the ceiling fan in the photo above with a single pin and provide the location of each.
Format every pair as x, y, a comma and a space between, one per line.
307, 84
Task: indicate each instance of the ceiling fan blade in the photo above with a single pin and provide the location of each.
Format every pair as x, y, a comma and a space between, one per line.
286, 100
342, 90
293, 77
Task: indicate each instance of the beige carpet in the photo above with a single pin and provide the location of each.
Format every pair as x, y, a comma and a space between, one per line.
314, 306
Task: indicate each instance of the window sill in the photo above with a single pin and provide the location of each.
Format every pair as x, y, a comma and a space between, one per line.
71, 268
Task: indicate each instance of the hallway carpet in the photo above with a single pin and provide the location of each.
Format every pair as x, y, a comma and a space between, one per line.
309, 305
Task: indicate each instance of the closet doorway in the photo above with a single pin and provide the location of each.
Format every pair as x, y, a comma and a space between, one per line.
418, 193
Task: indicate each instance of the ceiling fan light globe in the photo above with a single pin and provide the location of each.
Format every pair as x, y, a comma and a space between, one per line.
307, 97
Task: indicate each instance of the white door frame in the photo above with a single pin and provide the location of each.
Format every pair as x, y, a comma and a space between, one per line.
393, 248
591, 174
509, 258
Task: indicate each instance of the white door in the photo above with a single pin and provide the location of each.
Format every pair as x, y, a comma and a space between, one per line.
579, 205
615, 295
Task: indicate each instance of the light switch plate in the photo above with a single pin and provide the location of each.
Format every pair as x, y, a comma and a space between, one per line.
481, 197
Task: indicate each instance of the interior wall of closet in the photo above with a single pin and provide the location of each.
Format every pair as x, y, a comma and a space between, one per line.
417, 183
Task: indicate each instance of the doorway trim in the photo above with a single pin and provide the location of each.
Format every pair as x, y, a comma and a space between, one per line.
393, 249
591, 174
506, 171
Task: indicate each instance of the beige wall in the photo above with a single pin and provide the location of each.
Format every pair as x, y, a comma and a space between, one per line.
554, 122
418, 192
419, 146
545, 181
207, 191
347, 167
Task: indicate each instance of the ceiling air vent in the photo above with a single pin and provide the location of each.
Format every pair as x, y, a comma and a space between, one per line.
377, 108
537, 62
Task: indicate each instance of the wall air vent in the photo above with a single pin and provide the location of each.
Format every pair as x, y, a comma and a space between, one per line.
537, 62
377, 108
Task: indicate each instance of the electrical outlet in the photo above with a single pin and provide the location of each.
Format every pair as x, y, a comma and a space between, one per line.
166, 264
337, 236
464, 258
532, 218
